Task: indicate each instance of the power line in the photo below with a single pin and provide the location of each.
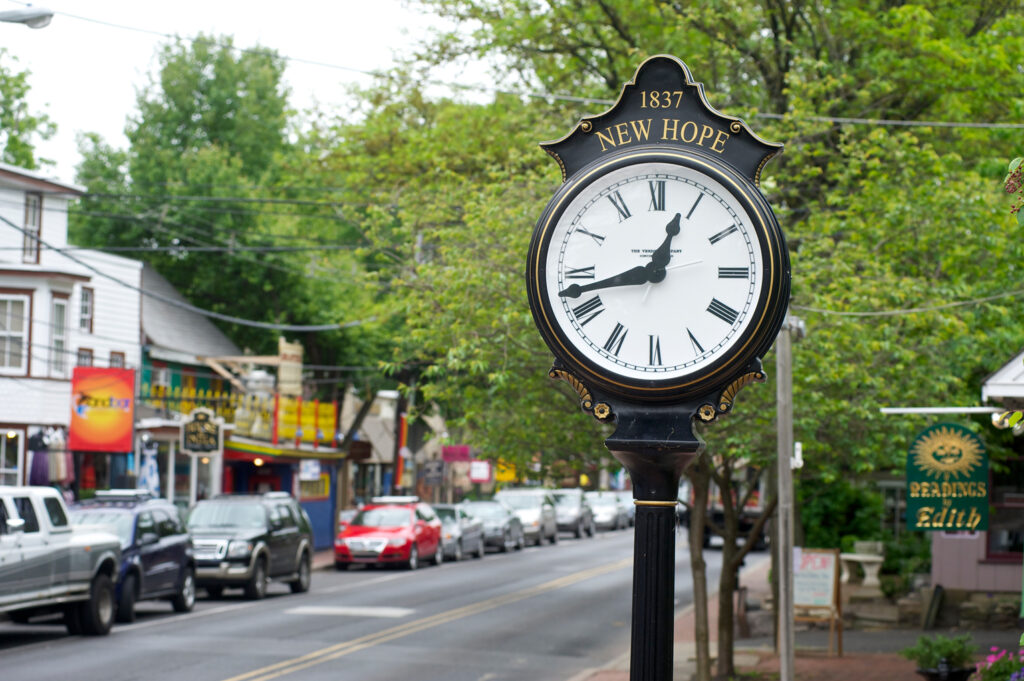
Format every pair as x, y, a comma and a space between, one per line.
908, 310
300, 328
547, 96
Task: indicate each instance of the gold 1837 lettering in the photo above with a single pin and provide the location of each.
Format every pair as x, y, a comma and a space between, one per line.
660, 99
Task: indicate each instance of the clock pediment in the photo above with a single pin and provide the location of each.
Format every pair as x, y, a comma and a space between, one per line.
664, 107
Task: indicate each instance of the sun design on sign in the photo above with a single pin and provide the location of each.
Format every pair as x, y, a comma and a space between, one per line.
945, 453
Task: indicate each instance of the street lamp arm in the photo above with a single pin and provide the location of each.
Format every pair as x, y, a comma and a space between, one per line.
33, 17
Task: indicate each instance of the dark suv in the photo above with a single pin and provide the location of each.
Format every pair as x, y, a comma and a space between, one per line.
243, 541
156, 550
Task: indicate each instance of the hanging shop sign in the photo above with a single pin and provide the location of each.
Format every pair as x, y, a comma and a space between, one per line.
947, 480
201, 432
102, 410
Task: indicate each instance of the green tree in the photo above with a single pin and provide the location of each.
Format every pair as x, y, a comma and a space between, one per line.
451, 191
210, 165
19, 127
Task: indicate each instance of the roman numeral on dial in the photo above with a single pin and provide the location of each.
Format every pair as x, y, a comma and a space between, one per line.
596, 237
694, 206
655, 347
723, 311
724, 233
614, 342
580, 273
620, 205
657, 195
698, 349
588, 309
733, 272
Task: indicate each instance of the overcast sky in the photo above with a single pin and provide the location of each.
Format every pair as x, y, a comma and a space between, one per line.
85, 73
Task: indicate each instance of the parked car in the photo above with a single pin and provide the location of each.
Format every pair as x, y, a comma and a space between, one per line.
461, 533
345, 517
390, 530
502, 527
573, 512
246, 540
536, 509
626, 499
49, 566
156, 549
609, 514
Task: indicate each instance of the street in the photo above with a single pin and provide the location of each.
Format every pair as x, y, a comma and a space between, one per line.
547, 612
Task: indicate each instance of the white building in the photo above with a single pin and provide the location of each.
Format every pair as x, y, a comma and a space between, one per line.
57, 310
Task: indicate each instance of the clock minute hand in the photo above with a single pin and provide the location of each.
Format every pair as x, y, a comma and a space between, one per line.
638, 275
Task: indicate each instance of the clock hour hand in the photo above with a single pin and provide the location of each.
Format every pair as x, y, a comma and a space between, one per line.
641, 274
663, 253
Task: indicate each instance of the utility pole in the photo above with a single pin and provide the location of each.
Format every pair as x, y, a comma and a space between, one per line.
792, 327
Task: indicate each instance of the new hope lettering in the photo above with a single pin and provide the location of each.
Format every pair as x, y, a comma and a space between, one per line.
638, 131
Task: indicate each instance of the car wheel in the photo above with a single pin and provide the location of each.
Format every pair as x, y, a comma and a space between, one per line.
256, 587
457, 554
414, 558
439, 554
301, 584
579, 530
185, 599
96, 615
215, 592
126, 604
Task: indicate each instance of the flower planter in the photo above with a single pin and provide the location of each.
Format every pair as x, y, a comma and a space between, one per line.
944, 673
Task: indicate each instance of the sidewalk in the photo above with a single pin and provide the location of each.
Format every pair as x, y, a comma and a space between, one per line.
868, 655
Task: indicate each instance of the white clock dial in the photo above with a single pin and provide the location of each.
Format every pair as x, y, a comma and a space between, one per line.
653, 271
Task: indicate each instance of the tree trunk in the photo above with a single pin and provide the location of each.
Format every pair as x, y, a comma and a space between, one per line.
700, 479
725, 668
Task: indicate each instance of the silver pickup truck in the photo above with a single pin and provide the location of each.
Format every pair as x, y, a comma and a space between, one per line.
47, 566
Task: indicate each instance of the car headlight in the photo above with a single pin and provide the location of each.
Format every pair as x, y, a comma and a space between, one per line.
397, 541
239, 549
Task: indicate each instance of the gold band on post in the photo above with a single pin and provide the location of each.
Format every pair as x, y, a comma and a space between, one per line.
654, 503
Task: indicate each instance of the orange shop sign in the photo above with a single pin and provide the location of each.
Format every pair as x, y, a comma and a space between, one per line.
102, 410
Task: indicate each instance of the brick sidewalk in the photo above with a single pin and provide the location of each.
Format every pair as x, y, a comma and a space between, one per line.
850, 667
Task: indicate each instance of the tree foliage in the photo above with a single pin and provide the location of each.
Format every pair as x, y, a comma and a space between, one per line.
19, 127
210, 165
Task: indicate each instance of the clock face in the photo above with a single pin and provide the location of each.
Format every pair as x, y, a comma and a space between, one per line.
652, 273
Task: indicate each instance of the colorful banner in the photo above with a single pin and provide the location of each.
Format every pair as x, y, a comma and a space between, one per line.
102, 410
947, 480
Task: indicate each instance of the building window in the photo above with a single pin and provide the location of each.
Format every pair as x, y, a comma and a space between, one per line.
161, 376
33, 227
59, 338
84, 358
13, 334
117, 360
1006, 514
10, 457
85, 308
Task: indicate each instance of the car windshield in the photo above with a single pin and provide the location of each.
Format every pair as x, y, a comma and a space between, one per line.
487, 511
520, 501
119, 522
383, 517
602, 501
567, 500
231, 514
447, 515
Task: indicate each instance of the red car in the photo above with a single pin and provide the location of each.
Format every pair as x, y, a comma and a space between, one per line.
390, 530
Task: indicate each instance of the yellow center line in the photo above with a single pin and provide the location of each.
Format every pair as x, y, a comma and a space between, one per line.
337, 650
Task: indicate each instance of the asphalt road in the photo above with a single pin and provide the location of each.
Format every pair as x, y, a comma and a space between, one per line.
545, 613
